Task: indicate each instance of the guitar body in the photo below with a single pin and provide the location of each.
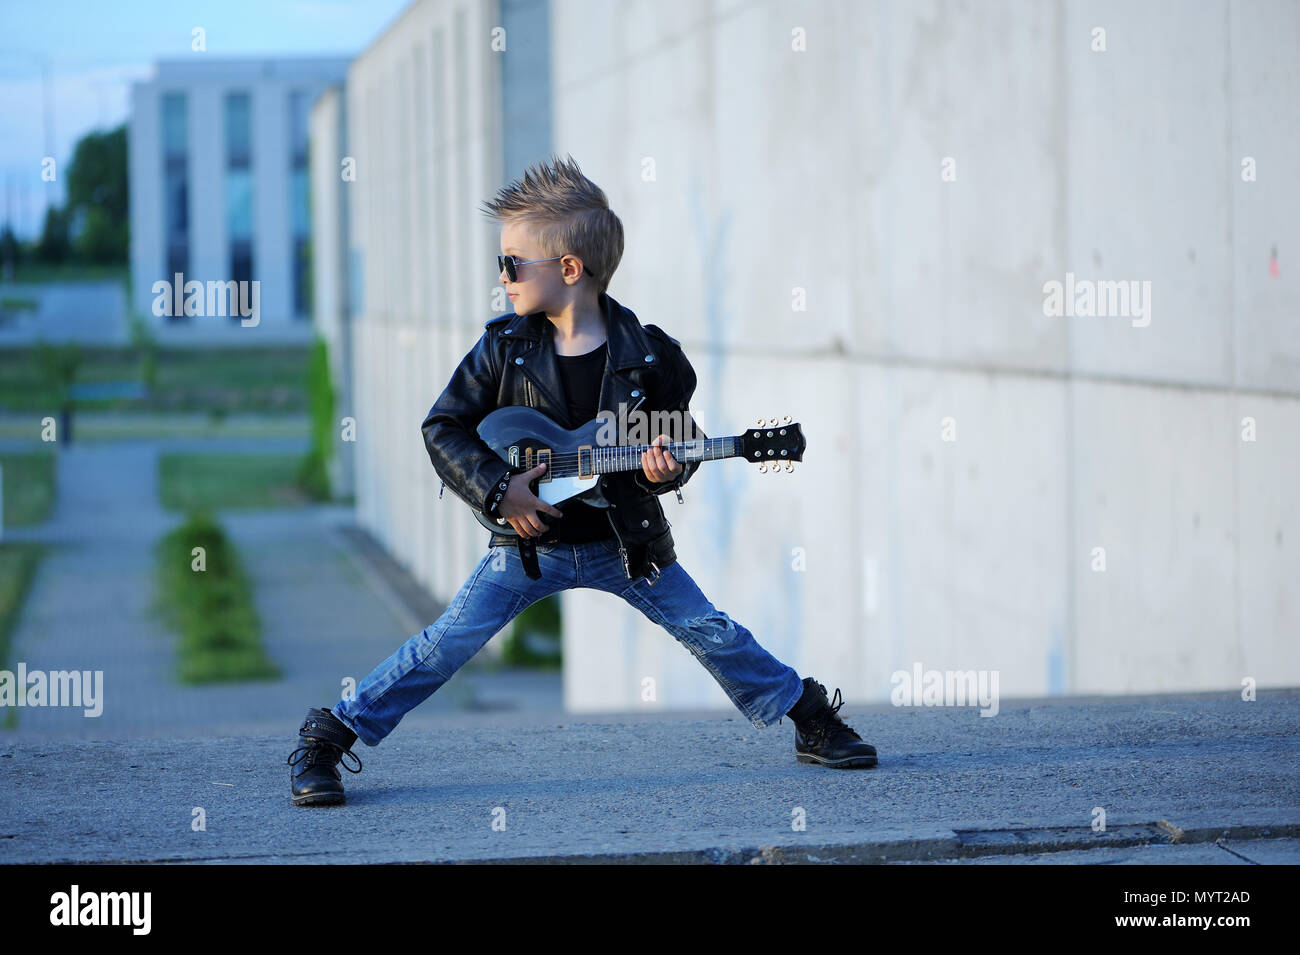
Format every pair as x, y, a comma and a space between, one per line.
526, 437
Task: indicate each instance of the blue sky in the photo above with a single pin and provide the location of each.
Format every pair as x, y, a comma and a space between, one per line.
95, 49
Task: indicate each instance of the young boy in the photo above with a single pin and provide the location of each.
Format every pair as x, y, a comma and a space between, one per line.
568, 350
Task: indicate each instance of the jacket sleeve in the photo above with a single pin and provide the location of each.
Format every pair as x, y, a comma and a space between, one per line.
460, 457
679, 386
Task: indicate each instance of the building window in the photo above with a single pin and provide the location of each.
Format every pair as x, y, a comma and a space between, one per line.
299, 204
241, 267
176, 189
239, 188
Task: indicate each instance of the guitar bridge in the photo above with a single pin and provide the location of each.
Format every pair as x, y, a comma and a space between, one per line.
530, 459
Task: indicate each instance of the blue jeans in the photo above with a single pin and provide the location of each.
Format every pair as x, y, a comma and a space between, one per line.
762, 687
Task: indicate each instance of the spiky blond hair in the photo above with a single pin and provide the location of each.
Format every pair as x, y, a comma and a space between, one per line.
566, 213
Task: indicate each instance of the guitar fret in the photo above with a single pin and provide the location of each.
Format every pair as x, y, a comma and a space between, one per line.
628, 457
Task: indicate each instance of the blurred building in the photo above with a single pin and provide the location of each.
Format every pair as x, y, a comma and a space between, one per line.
220, 194
853, 213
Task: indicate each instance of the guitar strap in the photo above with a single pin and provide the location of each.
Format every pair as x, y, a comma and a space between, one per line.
528, 556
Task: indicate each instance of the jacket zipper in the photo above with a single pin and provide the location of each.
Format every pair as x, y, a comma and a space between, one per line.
622, 548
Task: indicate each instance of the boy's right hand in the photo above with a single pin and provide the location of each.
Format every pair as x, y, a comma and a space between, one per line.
520, 505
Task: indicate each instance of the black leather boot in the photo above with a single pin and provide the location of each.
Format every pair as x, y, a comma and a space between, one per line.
314, 777
820, 736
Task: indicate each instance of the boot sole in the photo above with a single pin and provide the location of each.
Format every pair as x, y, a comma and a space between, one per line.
319, 799
848, 762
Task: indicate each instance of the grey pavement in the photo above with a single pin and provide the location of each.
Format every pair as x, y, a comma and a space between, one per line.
1188, 779
90, 312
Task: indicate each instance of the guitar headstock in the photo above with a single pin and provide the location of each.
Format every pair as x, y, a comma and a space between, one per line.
773, 442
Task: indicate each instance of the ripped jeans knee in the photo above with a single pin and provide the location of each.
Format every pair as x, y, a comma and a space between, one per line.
707, 633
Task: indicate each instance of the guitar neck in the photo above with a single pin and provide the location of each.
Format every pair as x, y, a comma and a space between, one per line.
608, 460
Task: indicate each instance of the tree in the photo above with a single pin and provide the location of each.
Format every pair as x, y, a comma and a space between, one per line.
11, 252
97, 196
100, 240
93, 225
53, 246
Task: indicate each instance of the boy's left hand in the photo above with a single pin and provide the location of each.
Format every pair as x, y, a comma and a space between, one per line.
660, 466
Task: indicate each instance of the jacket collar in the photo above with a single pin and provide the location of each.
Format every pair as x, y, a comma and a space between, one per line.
627, 341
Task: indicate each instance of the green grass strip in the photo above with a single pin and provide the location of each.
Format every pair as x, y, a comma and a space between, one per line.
28, 487
201, 482
211, 608
264, 380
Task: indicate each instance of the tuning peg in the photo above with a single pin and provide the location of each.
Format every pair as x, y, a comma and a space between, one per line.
786, 420
762, 466
789, 465
760, 422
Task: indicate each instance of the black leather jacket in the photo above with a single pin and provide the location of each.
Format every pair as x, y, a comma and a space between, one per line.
514, 363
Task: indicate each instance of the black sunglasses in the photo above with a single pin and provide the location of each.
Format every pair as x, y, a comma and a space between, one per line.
510, 265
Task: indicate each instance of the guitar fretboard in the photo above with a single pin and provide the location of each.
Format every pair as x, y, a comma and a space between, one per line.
628, 458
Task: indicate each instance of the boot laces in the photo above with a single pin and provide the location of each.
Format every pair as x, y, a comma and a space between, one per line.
827, 723
319, 751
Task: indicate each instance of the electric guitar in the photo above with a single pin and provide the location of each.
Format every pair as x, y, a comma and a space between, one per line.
575, 461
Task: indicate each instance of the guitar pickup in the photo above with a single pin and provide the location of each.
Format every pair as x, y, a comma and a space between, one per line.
586, 462
543, 457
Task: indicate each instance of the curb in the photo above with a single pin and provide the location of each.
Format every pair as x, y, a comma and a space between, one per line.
962, 844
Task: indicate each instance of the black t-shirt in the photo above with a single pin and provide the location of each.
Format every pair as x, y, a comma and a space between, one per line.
582, 376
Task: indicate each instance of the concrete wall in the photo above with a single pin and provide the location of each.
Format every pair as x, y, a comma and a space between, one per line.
205, 83
423, 121
746, 171
859, 233
330, 291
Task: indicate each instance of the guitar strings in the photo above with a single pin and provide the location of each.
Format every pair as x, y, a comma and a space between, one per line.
614, 453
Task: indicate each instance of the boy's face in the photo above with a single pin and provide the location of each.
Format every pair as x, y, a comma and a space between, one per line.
541, 286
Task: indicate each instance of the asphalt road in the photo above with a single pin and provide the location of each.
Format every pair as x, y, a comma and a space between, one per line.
1200, 779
